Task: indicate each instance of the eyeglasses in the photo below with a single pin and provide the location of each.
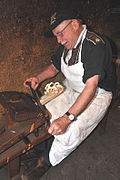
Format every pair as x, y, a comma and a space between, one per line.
60, 34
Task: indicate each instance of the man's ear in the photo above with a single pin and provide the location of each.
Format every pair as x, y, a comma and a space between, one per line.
75, 24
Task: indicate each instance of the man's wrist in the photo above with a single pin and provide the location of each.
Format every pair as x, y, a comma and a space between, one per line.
70, 116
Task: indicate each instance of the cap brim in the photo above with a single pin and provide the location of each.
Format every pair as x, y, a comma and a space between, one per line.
49, 33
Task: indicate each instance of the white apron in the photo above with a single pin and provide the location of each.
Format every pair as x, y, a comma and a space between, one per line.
78, 130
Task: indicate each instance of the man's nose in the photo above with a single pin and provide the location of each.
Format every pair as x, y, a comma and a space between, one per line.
58, 39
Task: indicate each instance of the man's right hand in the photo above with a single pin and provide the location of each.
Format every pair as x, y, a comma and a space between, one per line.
34, 82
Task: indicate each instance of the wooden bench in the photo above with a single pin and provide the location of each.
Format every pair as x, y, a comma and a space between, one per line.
21, 137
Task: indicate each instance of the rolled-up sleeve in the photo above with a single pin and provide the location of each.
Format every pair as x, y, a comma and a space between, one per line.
94, 62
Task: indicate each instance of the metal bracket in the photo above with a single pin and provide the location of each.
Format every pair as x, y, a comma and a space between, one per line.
25, 139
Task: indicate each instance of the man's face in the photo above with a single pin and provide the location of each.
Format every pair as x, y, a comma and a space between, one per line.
66, 34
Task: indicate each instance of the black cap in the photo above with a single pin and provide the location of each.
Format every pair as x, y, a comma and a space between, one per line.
59, 16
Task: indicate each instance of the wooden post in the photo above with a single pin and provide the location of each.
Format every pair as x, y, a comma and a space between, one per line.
13, 167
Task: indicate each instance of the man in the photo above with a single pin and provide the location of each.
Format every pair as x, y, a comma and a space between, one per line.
85, 60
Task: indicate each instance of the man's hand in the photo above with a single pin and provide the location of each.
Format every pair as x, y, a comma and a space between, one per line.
34, 82
49, 72
59, 125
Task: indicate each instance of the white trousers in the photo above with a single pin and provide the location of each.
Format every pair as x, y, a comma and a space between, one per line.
78, 130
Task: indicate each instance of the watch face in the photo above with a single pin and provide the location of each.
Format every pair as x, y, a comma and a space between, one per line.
71, 117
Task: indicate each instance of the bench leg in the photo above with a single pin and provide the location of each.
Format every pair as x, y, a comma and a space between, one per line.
13, 167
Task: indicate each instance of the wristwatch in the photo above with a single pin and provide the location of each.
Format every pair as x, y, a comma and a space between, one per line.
70, 116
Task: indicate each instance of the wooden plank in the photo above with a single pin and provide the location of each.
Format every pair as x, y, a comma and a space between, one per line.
11, 136
48, 97
52, 94
20, 147
13, 167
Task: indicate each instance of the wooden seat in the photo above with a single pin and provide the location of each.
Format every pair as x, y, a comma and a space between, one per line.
12, 155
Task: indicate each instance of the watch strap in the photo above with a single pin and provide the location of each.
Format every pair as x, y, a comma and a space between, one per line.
68, 114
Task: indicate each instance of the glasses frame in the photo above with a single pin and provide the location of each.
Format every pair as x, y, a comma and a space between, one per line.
60, 34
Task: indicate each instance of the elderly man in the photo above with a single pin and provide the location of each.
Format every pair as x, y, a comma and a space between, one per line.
85, 60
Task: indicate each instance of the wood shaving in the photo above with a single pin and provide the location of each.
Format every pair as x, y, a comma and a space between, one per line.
53, 88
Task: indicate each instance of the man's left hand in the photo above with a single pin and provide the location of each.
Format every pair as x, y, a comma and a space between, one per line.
59, 125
